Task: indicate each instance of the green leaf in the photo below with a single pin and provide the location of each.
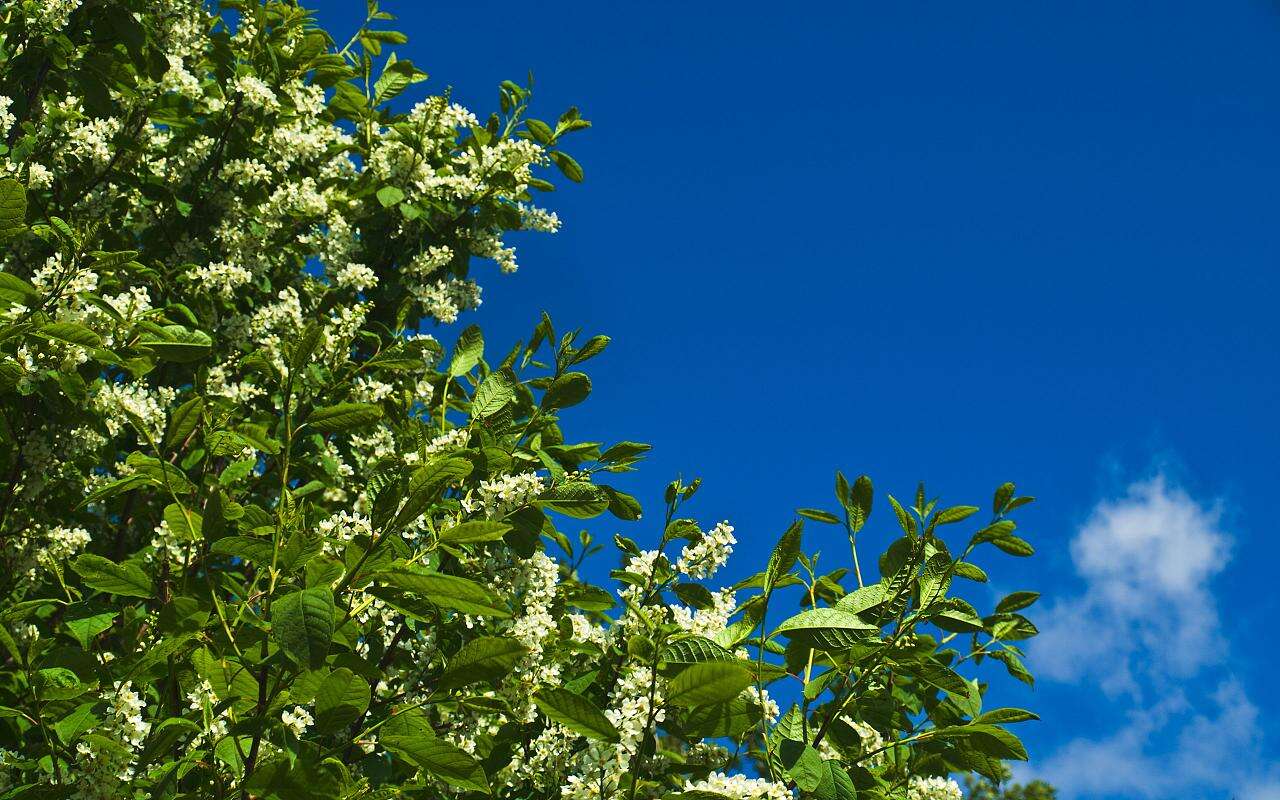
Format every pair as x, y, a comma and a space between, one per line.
783, 557
833, 783
13, 208
860, 600
1016, 601
708, 682
1006, 716
938, 676
954, 514
802, 764
1000, 503
178, 344
578, 499
593, 347
971, 571
590, 598
567, 390
696, 650
183, 421
305, 346
818, 515
72, 332
994, 741
489, 658
86, 629
340, 700
186, 526
541, 131
624, 452
17, 290
1015, 546
827, 628
569, 167
117, 487
475, 531
467, 352
302, 623
721, 719
576, 713
396, 77
859, 507
427, 485
447, 591
493, 393
905, 521
956, 616
77, 722
59, 683
127, 579
343, 417
389, 195
445, 761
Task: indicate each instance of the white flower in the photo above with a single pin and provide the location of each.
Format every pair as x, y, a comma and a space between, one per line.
370, 390
933, 789
343, 527
297, 720
221, 278
256, 94
357, 277
768, 706
6, 116
178, 80
91, 140
740, 787
702, 558
52, 15
501, 496
116, 401
533, 218
707, 622
39, 176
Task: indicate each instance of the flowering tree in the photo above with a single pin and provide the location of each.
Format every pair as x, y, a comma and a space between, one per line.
263, 535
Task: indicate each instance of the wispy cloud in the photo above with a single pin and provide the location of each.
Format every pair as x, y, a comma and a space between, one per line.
1145, 630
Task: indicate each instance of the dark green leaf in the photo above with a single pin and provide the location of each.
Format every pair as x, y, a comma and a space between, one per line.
576, 713
475, 531
443, 760
447, 591
340, 700
489, 658
708, 682
344, 417
99, 573
567, 390
302, 623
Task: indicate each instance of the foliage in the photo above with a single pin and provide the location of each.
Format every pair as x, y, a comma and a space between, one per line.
263, 538
985, 789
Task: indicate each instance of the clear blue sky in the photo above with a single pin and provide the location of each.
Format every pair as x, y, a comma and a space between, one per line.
965, 242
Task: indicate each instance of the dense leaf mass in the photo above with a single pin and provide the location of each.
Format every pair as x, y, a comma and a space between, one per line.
264, 535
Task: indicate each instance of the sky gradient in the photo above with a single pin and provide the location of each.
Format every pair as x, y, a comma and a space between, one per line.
958, 242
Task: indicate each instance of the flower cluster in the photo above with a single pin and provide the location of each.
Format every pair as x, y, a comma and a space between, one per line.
933, 788
740, 787
702, 558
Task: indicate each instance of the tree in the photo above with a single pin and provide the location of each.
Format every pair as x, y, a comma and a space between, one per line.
266, 536
986, 789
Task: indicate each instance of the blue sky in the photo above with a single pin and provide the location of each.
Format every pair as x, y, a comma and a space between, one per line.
963, 242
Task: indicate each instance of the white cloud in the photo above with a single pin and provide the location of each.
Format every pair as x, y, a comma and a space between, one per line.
1145, 630
1175, 747
1147, 610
